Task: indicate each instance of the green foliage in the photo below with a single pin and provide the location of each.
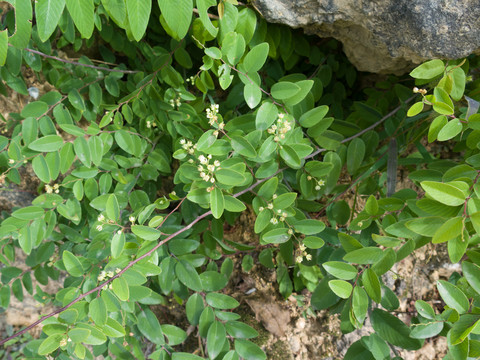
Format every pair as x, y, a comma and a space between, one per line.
231, 115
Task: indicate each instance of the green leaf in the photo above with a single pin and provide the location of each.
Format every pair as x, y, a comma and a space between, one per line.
240, 330
415, 109
243, 147
188, 276
72, 264
3, 46
213, 52
174, 334
283, 90
285, 200
216, 337
34, 109
229, 177
120, 288
47, 143
366, 255
267, 114
97, 311
185, 356
428, 70
371, 206
449, 230
79, 335
76, 100
82, 150
442, 104
217, 202
276, 236
371, 283
393, 330
313, 242
177, 15
113, 209
117, 245
313, 116
28, 213
340, 270
23, 23
50, 344
248, 350
290, 157
138, 12
255, 58
233, 46
443, 193
341, 288
462, 328
269, 188
309, 226
355, 155
150, 327
450, 130
82, 13
425, 309
252, 94
424, 331
233, 204
221, 301
146, 233
453, 296
471, 272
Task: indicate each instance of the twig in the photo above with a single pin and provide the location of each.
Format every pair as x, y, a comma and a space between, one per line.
80, 64
360, 133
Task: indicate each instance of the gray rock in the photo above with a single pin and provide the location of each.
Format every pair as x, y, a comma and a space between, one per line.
389, 36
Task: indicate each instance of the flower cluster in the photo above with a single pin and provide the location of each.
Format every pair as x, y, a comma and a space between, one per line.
278, 216
212, 116
319, 183
280, 128
105, 275
191, 79
188, 146
50, 189
301, 253
419, 91
151, 124
206, 169
175, 102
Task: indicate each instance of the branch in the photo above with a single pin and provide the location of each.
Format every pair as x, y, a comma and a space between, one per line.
360, 133
80, 64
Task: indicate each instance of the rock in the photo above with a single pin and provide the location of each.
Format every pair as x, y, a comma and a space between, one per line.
389, 36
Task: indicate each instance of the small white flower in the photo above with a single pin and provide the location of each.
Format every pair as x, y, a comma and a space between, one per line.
302, 247
101, 217
117, 270
11, 161
317, 187
274, 221
308, 257
99, 227
284, 214
274, 196
149, 124
209, 156
221, 125
290, 232
321, 182
110, 273
203, 160
200, 168
212, 180
270, 206
190, 161
119, 232
279, 211
309, 177
282, 219
261, 208
276, 139
211, 167
299, 259
216, 163
131, 219
281, 116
